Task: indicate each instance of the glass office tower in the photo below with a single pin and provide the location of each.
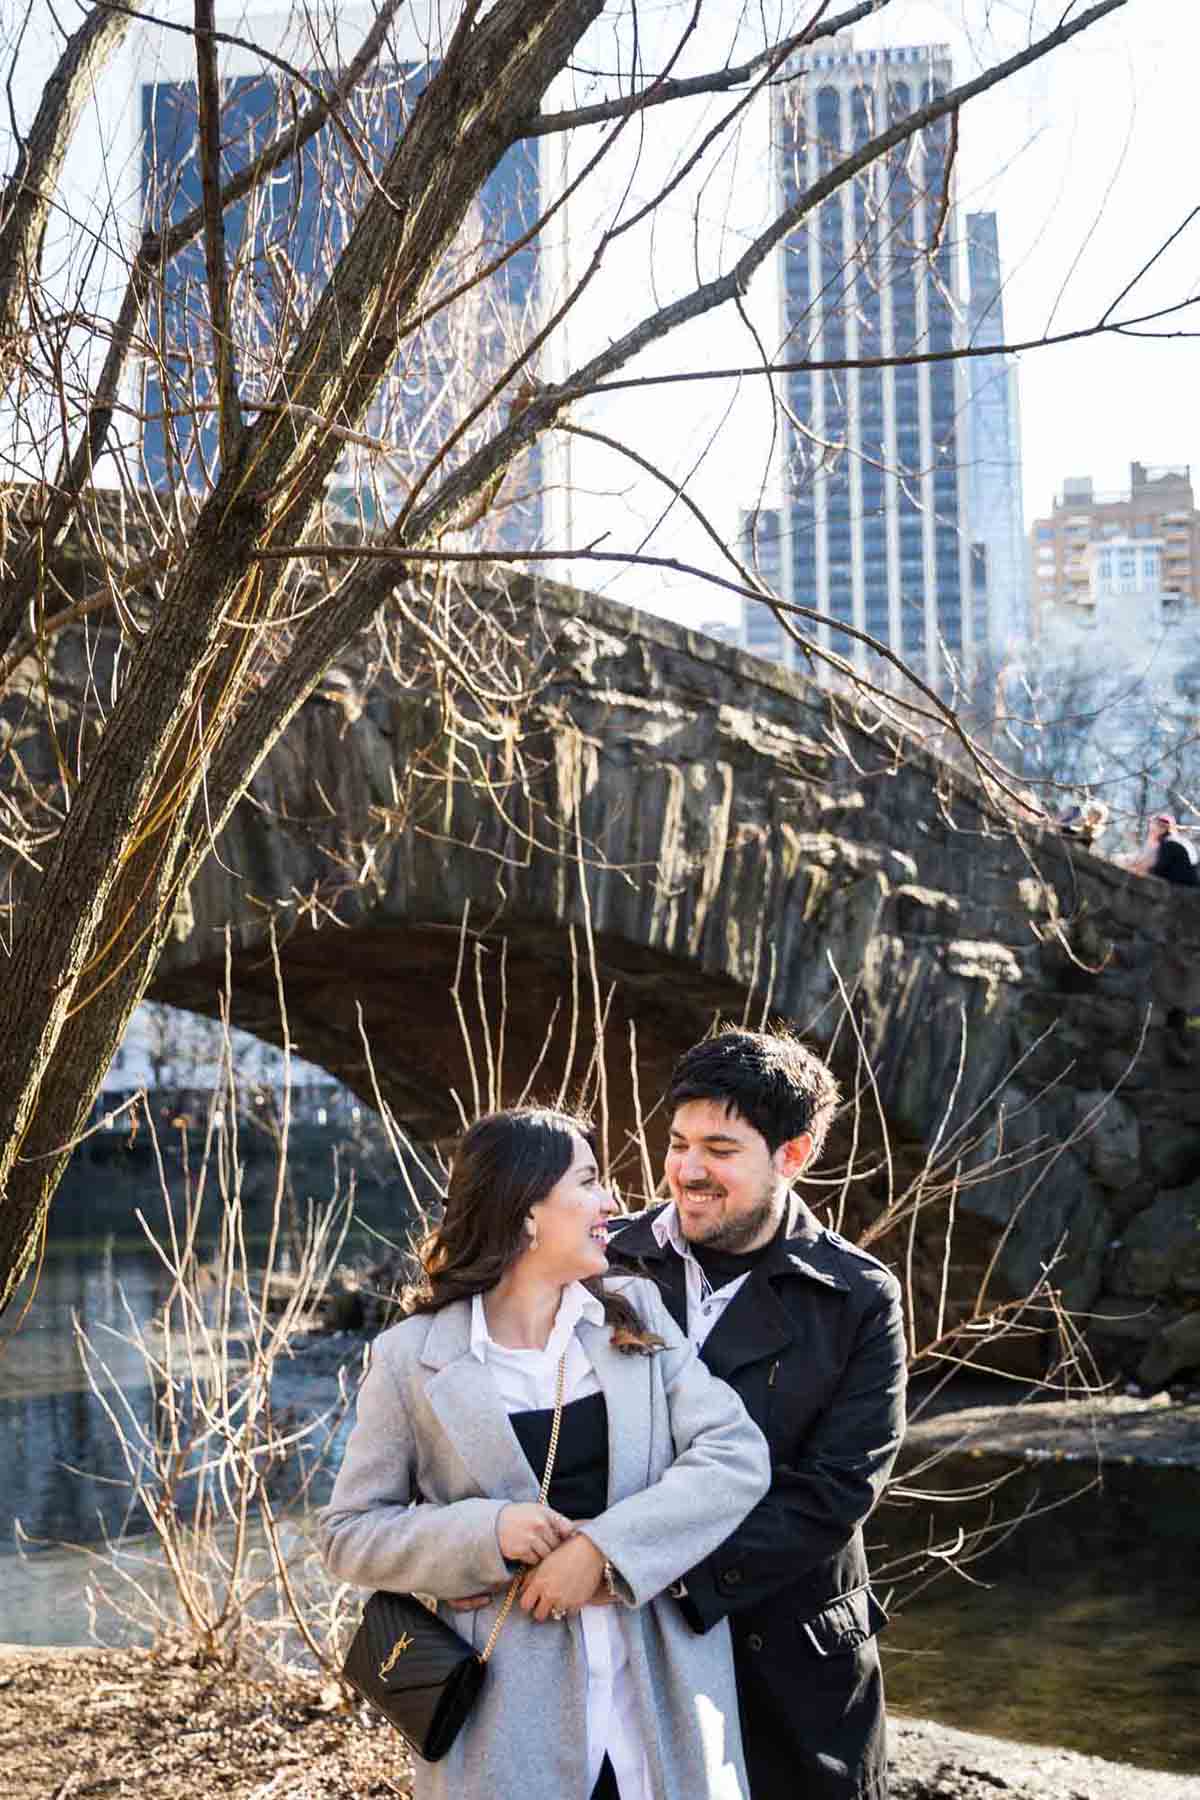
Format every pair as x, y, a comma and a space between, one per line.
1000, 564
875, 474
281, 243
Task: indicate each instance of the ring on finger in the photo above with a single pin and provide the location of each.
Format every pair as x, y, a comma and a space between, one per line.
559, 1613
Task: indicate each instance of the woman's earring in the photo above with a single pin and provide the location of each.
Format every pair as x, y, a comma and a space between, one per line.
533, 1235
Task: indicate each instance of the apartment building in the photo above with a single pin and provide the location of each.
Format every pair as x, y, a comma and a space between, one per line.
999, 562
1145, 536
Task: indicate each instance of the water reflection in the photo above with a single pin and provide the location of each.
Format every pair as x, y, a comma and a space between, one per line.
40, 1357
65, 1597
66, 1479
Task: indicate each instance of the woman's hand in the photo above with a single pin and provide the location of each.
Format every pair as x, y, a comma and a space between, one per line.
566, 1580
527, 1531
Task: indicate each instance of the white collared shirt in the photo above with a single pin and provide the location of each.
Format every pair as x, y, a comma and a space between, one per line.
527, 1380
705, 1304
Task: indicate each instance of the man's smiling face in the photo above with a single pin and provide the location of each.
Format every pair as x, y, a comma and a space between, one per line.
729, 1189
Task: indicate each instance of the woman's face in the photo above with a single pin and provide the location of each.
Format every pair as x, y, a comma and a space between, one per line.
572, 1221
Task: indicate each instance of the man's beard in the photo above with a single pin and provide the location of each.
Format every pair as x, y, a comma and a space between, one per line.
736, 1236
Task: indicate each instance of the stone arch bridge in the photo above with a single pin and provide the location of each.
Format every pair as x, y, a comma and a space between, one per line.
730, 836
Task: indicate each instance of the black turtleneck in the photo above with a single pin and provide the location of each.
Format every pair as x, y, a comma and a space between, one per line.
721, 1266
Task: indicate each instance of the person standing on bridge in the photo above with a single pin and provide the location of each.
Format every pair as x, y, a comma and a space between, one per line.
1166, 855
1176, 980
809, 1331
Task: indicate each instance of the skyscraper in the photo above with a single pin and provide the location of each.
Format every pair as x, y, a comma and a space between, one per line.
875, 479
282, 243
762, 546
1000, 566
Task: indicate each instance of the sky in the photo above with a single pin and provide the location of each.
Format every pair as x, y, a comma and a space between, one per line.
1098, 176
1086, 158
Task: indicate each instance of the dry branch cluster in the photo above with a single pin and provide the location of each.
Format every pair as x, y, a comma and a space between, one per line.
215, 1558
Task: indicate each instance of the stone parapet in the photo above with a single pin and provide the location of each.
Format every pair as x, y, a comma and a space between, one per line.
734, 836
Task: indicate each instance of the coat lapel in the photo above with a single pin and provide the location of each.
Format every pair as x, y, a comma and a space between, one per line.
625, 1381
638, 1252
754, 1325
468, 1407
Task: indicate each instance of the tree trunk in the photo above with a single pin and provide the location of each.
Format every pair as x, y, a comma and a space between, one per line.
81, 963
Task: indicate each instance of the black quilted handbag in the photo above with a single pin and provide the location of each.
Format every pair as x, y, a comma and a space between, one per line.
415, 1668
419, 1672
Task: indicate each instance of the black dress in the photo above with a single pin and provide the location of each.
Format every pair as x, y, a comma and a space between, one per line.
579, 1484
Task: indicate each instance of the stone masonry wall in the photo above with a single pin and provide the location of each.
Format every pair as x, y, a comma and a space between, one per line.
741, 831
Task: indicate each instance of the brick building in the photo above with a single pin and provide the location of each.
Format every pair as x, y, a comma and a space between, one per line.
1091, 540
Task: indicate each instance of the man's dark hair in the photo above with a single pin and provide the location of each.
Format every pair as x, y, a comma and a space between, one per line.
767, 1078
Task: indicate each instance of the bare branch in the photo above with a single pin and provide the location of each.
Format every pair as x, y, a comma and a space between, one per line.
943, 211
661, 91
29, 195
911, 359
209, 131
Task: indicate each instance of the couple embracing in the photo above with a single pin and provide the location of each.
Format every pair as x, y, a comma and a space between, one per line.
695, 1621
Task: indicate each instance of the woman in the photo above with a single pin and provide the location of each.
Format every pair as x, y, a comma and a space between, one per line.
597, 1685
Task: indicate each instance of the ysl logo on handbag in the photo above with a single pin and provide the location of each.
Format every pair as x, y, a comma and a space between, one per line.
402, 1643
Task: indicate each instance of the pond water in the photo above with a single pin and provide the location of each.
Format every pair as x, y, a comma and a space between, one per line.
1082, 1628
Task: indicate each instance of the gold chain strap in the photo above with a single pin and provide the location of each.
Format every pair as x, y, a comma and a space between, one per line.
552, 1452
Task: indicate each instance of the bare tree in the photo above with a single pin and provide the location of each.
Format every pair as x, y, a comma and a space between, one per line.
269, 378
1120, 732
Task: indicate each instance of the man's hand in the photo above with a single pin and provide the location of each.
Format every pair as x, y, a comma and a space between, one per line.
565, 1580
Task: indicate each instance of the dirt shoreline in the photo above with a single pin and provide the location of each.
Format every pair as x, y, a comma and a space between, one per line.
87, 1724
935, 1762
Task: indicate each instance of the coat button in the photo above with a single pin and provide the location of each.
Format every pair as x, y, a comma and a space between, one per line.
754, 1642
732, 1577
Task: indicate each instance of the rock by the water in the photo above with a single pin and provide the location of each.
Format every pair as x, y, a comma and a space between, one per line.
1160, 1248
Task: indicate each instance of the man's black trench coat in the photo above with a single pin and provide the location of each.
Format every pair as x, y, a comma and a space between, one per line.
813, 1342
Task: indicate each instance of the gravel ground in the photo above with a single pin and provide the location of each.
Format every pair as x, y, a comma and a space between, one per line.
934, 1762
129, 1725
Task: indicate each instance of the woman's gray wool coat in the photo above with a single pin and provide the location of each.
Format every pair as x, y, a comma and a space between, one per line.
430, 1464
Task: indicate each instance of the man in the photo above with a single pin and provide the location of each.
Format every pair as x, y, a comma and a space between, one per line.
809, 1332
1166, 854
1175, 983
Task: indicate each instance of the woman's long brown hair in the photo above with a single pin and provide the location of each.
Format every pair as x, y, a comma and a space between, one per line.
505, 1163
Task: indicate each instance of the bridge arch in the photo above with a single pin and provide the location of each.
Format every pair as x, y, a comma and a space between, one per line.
723, 829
